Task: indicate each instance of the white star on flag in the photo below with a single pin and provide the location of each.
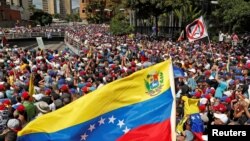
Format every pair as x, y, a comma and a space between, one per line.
84, 137
197, 116
112, 119
91, 127
121, 123
192, 117
101, 121
126, 130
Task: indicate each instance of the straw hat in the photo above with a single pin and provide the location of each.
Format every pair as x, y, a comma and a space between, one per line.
43, 107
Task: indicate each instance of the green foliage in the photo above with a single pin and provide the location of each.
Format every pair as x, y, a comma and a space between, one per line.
187, 13
95, 11
41, 18
56, 16
73, 17
234, 14
119, 25
146, 8
32, 8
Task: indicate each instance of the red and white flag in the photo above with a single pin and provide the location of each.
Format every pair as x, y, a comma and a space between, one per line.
196, 30
181, 37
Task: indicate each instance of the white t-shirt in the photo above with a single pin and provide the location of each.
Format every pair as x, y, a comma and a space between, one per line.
221, 37
52, 107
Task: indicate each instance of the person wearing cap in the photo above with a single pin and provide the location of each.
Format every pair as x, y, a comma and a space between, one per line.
186, 135
29, 106
220, 119
42, 108
58, 104
240, 107
21, 114
10, 134
54, 97
191, 81
46, 97
222, 84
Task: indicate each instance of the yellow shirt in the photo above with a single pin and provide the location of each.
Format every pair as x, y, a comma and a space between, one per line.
190, 105
11, 80
23, 66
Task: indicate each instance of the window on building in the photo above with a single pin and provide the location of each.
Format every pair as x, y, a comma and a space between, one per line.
83, 11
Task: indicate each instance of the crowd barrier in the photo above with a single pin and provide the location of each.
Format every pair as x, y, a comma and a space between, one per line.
32, 35
72, 44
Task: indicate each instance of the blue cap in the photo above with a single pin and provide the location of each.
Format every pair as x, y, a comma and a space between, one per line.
223, 98
73, 91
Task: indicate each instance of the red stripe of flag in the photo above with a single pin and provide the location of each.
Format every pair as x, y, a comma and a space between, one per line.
150, 132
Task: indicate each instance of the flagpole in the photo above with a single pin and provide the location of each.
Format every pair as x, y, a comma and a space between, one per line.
173, 111
209, 43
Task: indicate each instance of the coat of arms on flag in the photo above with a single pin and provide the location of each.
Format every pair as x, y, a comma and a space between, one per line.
154, 82
196, 30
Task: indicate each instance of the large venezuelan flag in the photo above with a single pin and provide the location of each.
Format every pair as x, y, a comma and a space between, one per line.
139, 107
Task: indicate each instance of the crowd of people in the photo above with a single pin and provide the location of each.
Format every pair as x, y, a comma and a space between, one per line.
37, 29
216, 75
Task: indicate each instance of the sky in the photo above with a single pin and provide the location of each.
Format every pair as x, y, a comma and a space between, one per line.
38, 3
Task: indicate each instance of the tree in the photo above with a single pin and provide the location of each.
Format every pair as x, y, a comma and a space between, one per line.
233, 14
187, 13
76, 17
95, 11
119, 25
56, 16
153, 7
69, 17
41, 18
32, 8
73, 17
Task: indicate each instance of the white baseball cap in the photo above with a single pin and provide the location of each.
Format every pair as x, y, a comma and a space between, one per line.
203, 100
192, 70
222, 117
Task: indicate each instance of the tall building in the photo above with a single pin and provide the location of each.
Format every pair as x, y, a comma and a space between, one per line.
8, 14
65, 7
2, 3
83, 5
49, 6
52, 6
45, 6
17, 3
26, 4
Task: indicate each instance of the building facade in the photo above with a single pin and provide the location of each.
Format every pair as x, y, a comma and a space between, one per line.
45, 6
52, 7
26, 13
65, 7
8, 14
49, 6
83, 5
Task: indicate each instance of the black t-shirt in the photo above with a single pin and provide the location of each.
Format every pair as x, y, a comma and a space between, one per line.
37, 79
46, 99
